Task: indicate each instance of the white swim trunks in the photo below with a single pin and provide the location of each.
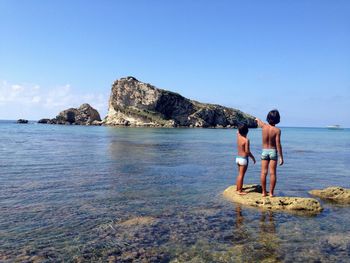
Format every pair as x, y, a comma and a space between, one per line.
242, 160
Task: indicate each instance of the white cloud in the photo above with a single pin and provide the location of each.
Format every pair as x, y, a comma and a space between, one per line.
36, 99
31, 101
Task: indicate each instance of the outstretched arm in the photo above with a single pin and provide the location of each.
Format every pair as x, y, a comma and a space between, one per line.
260, 122
247, 150
279, 147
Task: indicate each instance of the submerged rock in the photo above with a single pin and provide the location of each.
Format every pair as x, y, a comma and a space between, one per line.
254, 198
333, 193
22, 121
84, 115
139, 220
134, 103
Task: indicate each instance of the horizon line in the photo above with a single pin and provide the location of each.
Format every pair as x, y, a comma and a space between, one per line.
320, 127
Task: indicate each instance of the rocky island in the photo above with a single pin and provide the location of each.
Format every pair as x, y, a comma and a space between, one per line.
22, 121
138, 104
134, 103
84, 115
253, 198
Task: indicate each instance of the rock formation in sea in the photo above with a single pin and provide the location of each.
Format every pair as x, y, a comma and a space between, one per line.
45, 121
84, 115
334, 193
254, 198
135, 103
22, 121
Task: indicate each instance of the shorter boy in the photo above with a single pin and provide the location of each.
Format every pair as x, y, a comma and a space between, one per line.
243, 152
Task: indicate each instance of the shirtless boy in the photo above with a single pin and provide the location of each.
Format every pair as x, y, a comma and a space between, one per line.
271, 144
243, 152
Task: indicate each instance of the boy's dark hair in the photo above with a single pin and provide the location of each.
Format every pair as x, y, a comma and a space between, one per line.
243, 129
273, 117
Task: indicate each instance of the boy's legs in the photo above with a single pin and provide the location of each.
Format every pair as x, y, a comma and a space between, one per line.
264, 169
241, 172
273, 176
237, 179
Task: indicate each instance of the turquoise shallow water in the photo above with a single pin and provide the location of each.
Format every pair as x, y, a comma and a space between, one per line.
74, 193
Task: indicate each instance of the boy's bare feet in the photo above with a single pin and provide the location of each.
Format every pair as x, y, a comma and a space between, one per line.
271, 195
264, 194
241, 193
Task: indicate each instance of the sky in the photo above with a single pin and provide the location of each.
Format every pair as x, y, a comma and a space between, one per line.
253, 55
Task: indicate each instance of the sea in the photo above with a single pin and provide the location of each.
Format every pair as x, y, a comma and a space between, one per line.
106, 194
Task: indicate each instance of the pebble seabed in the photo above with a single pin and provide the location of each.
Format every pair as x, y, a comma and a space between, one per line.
217, 234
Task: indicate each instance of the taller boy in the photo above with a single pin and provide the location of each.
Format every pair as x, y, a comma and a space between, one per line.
271, 144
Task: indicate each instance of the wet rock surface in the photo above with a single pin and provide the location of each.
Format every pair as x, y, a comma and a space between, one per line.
84, 115
334, 193
134, 103
255, 199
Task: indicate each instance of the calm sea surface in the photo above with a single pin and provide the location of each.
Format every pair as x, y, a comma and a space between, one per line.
87, 194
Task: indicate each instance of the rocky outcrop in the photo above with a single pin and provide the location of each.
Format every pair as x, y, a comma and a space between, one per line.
334, 193
22, 121
44, 121
135, 103
84, 115
255, 199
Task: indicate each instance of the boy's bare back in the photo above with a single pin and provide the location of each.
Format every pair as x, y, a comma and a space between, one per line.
242, 144
270, 136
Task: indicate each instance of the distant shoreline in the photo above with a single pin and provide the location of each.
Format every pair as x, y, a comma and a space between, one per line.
294, 127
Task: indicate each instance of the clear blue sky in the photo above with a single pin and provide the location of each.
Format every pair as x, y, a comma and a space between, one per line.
293, 55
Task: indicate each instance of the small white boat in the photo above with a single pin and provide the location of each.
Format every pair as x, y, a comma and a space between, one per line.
334, 127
